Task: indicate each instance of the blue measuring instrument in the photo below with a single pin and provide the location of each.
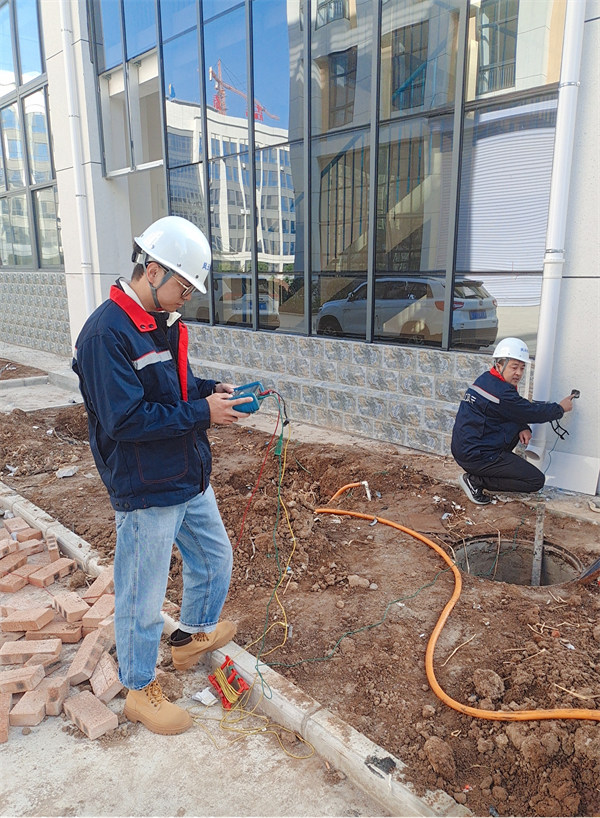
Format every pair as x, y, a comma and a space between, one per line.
252, 390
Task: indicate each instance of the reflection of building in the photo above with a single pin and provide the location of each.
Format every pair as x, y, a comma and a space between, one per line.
385, 141
229, 179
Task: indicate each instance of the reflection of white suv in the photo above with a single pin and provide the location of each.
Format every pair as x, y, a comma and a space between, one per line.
412, 308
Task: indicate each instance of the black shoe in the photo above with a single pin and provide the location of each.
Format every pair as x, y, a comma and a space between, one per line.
475, 495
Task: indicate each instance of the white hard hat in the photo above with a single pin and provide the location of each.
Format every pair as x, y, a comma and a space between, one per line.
512, 348
179, 245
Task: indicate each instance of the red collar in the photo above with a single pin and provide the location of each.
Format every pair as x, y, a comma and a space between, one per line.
496, 374
142, 319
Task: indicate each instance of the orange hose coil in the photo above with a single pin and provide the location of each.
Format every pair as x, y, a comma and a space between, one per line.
493, 715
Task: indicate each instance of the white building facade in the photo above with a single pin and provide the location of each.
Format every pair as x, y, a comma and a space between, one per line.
388, 187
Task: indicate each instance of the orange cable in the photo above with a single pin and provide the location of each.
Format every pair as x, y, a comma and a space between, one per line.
493, 715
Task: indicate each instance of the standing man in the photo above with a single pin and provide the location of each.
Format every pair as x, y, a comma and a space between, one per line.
491, 419
147, 417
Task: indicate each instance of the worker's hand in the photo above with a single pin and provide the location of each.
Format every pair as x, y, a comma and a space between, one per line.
224, 387
567, 403
222, 408
525, 436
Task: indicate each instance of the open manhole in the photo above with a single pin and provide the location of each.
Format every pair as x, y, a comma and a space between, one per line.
512, 561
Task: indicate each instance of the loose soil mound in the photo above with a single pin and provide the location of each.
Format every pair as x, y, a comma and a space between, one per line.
344, 607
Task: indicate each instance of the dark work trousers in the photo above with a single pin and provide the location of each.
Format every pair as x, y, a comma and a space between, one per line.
508, 473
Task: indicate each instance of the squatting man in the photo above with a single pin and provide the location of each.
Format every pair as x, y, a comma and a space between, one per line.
492, 419
147, 417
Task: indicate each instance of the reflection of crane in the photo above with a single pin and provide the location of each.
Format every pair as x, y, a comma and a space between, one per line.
219, 98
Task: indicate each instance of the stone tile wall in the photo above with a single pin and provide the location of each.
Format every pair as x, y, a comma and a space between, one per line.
405, 395
34, 311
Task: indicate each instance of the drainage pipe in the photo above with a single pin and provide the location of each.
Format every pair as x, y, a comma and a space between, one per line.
491, 715
81, 200
554, 257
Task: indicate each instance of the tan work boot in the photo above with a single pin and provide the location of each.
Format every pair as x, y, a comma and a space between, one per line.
150, 706
186, 649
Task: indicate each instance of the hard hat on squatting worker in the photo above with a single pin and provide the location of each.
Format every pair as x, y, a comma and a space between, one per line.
178, 246
510, 349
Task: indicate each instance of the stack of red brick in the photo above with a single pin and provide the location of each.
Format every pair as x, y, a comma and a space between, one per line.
40, 679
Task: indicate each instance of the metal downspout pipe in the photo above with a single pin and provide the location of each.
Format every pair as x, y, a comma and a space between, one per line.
81, 201
554, 257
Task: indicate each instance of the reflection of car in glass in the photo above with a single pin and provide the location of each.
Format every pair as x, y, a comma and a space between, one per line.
239, 311
412, 308
231, 308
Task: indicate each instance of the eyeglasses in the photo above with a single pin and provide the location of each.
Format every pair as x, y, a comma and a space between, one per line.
186, 289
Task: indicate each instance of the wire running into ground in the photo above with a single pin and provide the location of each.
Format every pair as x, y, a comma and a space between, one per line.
491, 715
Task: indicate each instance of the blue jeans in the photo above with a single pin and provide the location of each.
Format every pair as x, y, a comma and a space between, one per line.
145, 540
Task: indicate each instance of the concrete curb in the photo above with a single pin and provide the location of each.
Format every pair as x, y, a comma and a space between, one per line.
14, 383
365, 763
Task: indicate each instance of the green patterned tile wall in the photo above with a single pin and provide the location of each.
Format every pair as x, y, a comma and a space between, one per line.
34, 311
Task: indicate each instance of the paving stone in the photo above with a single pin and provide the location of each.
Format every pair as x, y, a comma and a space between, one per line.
12, 583
70, 605
29, 533
89, 714
105, 678
14, 524
5, 706
100, 610
86, 658
103, 584
29, 710
21, 679
13, 653
67, 632
52, 572
27, 619
12, 561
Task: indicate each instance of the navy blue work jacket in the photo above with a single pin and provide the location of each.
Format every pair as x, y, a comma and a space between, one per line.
146, 411
490, 417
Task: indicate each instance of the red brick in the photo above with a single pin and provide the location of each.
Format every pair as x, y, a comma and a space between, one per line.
49, 573
12, 561
26, 570
30, 709
53, 552
8, 547
9, 637
103, 584
56, 689
12, 524
70, 605
25, 534
21, 679
105, 678
67, 632
89, 714
5, 706
104, 607
13, 653
107, 629
11, 583
49, 663
27, 619
31, 547
86, 658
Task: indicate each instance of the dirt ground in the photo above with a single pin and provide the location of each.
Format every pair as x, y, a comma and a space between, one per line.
344, 606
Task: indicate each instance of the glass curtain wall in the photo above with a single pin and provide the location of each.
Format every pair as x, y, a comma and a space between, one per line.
29, 221
314, 141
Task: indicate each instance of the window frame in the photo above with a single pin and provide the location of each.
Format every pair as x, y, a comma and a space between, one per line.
29, 189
